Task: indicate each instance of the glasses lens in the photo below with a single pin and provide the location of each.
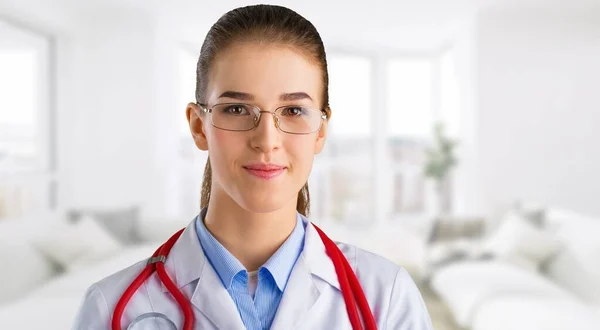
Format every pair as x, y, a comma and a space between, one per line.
299, 120
242, 117
234, 117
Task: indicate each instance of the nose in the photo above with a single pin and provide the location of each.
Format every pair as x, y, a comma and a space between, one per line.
266, 135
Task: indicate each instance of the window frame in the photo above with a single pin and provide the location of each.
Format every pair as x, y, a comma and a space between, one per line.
382, 166
42, 177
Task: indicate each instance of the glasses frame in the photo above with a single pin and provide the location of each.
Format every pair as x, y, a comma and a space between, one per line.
258, 116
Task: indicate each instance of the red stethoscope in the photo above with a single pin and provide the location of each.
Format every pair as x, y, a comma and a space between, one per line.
354, 296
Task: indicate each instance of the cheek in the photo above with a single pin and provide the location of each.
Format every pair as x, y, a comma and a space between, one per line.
220, 140
301, 152
224, 149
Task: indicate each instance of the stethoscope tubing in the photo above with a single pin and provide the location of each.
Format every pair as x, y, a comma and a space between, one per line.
349, 285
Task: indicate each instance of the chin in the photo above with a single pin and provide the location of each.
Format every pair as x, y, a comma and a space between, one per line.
256, 204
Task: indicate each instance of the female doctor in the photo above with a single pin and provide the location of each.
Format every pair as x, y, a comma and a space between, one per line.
251, 259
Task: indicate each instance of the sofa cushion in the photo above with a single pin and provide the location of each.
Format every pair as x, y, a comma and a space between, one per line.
580, 234
40, 313
24, 267
73, 283
526, 312
121, 223
81, 243
577, 266
521, 243
464, 286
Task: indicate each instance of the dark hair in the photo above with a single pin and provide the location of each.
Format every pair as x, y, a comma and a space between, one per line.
267, 24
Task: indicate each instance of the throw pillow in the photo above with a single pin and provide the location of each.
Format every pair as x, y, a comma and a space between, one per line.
82, 242
520, 242
120, 223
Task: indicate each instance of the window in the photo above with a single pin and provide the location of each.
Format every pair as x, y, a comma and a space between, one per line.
26, 169
350, 95
449, 94
422, 91
410, 108
410, 98
356, 182
341, 182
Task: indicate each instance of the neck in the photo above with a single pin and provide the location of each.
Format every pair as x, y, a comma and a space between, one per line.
249, 236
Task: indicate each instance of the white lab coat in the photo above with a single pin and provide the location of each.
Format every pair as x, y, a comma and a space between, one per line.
312, 299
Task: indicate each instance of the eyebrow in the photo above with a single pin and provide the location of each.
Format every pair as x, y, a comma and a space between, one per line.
249, 97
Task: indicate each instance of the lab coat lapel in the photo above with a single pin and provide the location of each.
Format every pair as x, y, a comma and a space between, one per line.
317, 259
299, 296
188, 262
213, 300
302, 291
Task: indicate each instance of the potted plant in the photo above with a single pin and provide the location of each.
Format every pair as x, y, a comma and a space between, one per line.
441, 159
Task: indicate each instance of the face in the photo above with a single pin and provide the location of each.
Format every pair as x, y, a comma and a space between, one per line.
260, 75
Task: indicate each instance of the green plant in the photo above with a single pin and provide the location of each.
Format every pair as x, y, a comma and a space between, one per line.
440, 157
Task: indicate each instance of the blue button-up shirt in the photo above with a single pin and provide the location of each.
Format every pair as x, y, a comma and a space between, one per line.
257, 313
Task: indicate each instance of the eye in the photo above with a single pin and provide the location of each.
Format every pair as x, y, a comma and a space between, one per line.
236, 109
293, 111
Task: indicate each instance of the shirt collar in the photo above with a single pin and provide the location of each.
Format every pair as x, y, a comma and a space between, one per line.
280, 264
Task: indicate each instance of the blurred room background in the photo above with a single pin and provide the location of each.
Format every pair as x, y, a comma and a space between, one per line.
463, 145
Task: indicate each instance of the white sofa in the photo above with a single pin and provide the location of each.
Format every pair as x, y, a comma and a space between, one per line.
504, 292
35, 293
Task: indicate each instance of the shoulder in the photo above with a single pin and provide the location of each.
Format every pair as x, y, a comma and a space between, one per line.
388, 284
113, 286
372, 266
101, 298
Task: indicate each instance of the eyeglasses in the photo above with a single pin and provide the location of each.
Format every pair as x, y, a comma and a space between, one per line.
290, 119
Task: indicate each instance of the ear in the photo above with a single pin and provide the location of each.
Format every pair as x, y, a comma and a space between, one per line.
195, 117
321, 137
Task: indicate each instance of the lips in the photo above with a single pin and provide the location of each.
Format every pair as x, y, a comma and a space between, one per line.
265, 171
264, 167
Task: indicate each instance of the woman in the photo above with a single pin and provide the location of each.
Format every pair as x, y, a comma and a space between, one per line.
252, 259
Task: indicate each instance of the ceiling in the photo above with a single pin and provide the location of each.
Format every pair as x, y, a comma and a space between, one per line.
417, 25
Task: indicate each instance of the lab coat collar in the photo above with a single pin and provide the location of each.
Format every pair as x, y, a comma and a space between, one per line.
302, 292
185, 265
316, 257
188, 265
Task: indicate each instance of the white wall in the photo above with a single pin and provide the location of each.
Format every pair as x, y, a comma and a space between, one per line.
116, 88
538, 80
169, 198
466, 189
106, 106
123, 149
109, 125
528, 99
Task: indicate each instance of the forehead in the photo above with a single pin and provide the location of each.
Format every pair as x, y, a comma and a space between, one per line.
265, 71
